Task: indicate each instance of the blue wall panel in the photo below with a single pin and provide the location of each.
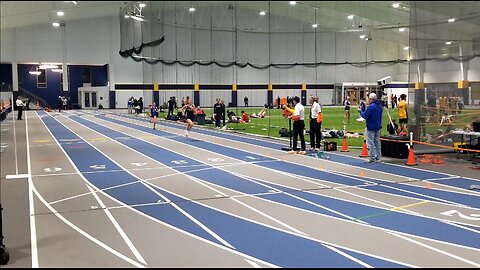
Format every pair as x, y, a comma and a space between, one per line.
50, 93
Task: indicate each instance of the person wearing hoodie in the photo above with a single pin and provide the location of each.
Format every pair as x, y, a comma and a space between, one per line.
373, 117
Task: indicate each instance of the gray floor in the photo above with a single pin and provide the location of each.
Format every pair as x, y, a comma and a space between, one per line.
76, 227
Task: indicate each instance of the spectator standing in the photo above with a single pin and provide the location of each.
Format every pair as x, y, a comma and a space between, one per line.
20, 106
315, 124
298, 126
373, 117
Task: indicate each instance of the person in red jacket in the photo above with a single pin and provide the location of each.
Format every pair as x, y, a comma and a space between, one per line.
245, 117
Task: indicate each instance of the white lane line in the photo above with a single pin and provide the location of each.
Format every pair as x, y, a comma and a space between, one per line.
302, 178
98, 242
351, 176
132, 183
118, 227
193, 219
454, 223
379, 202
447, 243
436, 249
251, 179
273, 149
457, 189
443, 178
301, 235
343, 164
15, 140
17, 176
85, 234
339, 174
250, 207
219, 168
254, 264
177, 229
296, 197
364, 264
33, 228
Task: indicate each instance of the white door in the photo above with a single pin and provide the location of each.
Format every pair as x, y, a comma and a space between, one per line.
89, 100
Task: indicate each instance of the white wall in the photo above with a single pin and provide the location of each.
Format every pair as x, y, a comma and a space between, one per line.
122, 97
256, 97
102, 95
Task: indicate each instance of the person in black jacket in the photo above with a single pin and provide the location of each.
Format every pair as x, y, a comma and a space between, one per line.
172, 103
135, 105
60, 103
217, 112
140, 104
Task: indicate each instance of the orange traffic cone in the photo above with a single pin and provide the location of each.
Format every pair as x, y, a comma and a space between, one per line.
411, 158
344, 145
364, 149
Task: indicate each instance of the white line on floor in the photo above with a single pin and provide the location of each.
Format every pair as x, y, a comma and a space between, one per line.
33, 228
88, 236
17, 176
118, 227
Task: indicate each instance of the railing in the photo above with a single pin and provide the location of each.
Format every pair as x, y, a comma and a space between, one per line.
33, 97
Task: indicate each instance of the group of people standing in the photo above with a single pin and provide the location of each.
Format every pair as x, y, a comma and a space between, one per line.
135, 106
298, 116
62, 103
219, 112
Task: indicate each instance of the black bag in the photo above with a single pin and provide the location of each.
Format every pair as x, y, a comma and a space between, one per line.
330, 146
476, 126
284, 132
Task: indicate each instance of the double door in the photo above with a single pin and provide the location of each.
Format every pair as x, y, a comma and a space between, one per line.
89, 100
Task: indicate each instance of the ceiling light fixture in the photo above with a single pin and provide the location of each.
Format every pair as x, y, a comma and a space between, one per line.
56, 24
402, 29
350, 17
74, 2
192, 9
406, 48
448, 42
396, 5
45, 66
293, 3
60, 13
451, 20
314, 25
137, 18
362, 36
36, 72
262, 13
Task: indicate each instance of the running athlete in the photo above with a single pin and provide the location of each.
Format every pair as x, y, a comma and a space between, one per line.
153, 114
188, 110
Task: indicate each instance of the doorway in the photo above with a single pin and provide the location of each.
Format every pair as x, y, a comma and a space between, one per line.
89, 100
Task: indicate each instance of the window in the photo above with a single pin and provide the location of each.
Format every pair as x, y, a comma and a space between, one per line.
42, 79
87, 75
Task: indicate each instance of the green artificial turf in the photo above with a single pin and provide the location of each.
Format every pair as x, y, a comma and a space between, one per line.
271, 124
